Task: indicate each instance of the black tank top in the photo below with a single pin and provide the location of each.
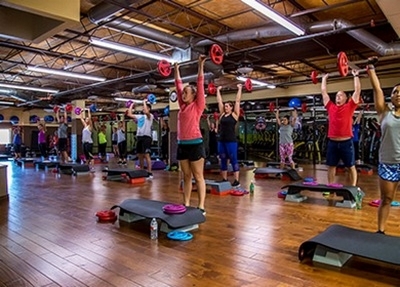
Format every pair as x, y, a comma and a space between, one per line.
227, 126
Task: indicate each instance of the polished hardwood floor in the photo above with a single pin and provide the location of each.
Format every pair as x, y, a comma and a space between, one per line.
49, 235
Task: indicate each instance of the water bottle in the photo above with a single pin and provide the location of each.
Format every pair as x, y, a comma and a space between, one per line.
251, 188
153, 229
359, 198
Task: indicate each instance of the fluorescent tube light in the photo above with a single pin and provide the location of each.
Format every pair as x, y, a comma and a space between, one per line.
66, 74
275, 16
29, 88
6, 103
257, 83
122, 99
130, 50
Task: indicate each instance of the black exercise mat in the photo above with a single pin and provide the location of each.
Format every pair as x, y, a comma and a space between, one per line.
153, 209
366, 244
348, 192
272, 170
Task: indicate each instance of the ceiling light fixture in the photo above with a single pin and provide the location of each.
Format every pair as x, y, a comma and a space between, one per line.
275, 16
66, 74
122, 99
29, 88
130, 50
257, 83
245, 68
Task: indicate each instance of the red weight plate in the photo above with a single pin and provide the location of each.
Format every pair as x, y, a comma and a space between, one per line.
212, 89
304, 107
314, 75
248, 85
164, 68
216, 54
216, 116
271, 106
343, 64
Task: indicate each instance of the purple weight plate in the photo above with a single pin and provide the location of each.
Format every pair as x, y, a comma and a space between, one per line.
310, 183
174, 208
337, 185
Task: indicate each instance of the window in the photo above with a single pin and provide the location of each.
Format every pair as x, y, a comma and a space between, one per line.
5, 136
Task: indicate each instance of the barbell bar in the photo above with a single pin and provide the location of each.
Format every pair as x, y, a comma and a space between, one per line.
343, 67
216, 55
151, 99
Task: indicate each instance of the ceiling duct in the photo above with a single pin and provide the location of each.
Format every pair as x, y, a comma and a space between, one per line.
11, 93
105, 11
248, 34
36, 21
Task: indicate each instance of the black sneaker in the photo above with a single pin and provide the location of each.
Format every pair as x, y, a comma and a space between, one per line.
149, 175
235, 183
202, 211
120, 162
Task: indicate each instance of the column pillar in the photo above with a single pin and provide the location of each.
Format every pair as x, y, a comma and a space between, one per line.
75, 124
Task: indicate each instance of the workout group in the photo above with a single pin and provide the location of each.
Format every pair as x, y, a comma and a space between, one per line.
223, 140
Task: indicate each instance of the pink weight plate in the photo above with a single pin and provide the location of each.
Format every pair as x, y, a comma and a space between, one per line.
337, 185
174, 208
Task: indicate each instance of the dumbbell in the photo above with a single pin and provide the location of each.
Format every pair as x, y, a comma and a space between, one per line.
216, 56
151, 99
343, 67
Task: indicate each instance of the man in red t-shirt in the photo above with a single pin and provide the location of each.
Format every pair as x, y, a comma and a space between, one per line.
340, 133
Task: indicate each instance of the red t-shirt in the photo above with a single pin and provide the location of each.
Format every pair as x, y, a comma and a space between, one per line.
341, 119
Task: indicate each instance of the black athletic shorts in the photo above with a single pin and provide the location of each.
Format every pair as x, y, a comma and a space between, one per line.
192, 152
143, 145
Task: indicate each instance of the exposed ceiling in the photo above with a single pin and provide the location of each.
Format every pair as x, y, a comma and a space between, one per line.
185, 28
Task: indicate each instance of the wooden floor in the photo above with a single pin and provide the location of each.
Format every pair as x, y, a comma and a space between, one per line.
49, 235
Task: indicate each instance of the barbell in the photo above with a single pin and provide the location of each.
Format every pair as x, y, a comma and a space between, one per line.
68, 108
212, 89
216, 55
151, 99
343, 67
77, 110
302, 106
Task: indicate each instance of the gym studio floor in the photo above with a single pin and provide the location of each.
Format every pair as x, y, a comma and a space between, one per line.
49, 235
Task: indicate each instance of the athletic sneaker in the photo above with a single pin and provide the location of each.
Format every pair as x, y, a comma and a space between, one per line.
119, 161
149, 175
235, 183
92, 169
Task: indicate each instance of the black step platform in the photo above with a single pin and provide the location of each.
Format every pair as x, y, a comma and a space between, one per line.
277, 164
266, 172
338, 243
26, 162
117, 174
138, 209
46, 164
73, 168
347, 192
